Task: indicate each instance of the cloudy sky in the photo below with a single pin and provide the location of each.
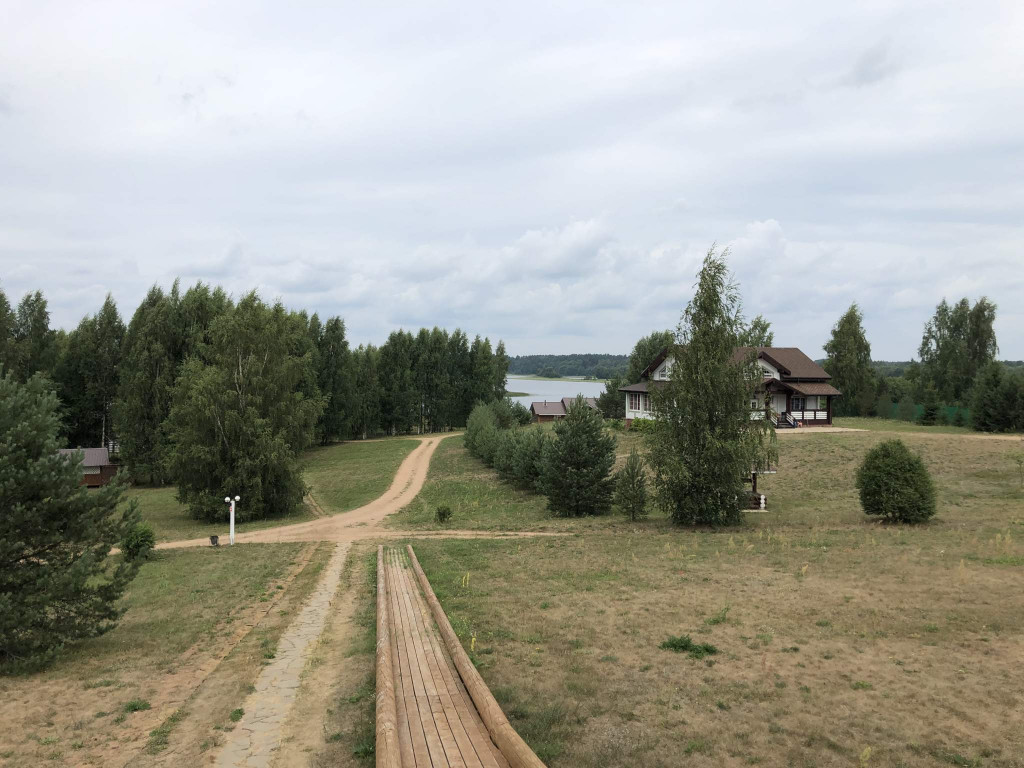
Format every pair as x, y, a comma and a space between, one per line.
550, 174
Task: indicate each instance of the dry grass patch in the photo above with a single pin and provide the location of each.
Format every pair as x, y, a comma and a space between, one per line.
99, 703
839, 640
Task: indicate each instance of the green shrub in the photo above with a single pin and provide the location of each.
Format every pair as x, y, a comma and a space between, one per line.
443, 514
631, 487
138, 542
894, 484
958, 418
505, 443
482, 433
526, 465
642, 425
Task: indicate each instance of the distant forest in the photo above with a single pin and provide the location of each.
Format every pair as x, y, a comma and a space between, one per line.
894, 369
592, 366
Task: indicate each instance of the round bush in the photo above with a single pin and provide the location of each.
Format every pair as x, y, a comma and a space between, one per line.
138, 542
894, 484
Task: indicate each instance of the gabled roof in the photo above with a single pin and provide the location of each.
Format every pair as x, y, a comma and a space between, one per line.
567, 401
790, 362
548, 408
646, 372
92, 457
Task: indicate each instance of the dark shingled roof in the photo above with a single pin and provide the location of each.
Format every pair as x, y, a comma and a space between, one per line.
791, 362
93, 457
812, 387
546, 408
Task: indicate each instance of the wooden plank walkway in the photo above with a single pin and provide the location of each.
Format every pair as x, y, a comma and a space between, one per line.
438, 724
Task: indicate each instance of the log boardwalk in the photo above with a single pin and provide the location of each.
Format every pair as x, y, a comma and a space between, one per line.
437, 723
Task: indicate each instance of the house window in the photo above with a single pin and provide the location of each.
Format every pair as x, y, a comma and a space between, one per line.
797, 403
634, 401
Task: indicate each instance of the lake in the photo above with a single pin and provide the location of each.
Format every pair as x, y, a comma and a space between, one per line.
551, 390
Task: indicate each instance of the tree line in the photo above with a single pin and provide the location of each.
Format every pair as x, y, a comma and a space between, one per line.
956, 372
595, 366
214, 394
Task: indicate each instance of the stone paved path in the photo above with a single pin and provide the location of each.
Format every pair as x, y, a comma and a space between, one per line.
253, 741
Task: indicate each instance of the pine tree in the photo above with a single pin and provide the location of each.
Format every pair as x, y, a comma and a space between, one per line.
57, 581
849, 364
930, 407
577, 464
987, 404
631, 487
704, 442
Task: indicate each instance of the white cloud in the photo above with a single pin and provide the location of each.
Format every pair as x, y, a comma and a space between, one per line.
549, 174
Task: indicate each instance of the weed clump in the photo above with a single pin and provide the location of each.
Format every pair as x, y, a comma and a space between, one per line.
443, 514
138, 542
894, 484
685, 644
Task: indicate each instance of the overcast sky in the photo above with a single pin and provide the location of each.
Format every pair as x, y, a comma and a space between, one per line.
549, 174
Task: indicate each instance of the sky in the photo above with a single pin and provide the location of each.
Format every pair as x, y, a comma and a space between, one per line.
550, 174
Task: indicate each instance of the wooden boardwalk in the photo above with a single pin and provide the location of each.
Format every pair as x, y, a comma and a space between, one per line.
438, 725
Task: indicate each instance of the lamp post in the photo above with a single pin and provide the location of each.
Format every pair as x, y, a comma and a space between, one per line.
231, 528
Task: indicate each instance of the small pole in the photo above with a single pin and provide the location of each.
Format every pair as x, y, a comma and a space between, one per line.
231, 525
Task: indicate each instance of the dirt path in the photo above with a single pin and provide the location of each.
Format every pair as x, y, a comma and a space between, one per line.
348, 526
257, 736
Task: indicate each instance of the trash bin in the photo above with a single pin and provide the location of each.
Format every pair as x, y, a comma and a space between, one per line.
215, 541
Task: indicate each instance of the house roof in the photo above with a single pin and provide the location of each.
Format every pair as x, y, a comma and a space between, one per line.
812, 388
548, 408
791, 362
558, 407
567, 401
646, 372
92, 457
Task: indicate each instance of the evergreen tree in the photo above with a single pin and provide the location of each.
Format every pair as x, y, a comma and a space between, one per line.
930, 407
57, 581
849, 364
644, 352
704, 442
987, 404
612, 402
905, 409
631, 487
577, 464
239, 416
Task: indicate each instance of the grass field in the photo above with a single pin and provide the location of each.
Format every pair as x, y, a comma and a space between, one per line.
894, 425
341, 477
839, 641
99, 699
347, 475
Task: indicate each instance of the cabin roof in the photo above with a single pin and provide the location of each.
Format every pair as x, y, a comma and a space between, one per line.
92, 457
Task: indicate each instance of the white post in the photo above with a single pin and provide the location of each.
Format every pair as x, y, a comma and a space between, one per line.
231, 526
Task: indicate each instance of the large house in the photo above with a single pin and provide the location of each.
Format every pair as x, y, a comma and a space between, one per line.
556, 409
796, 389
96, 466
